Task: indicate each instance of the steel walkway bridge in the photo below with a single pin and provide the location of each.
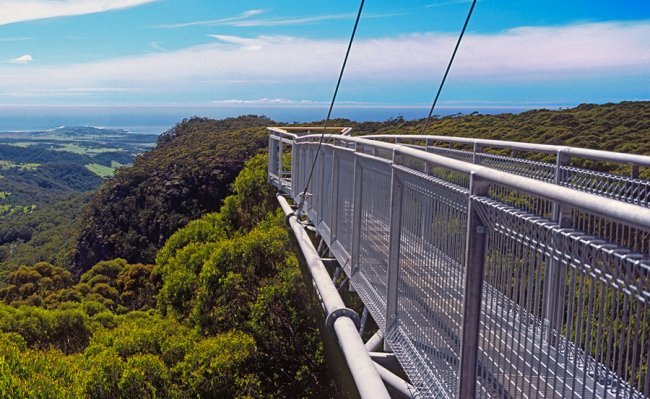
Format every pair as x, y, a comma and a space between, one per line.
492, 268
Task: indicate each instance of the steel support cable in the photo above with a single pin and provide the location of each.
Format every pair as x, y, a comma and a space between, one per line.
329, 113
451, 61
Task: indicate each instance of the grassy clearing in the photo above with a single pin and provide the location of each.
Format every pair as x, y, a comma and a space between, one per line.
24, 166
77, 149
22, 144
115, 165
104, 149
100, 170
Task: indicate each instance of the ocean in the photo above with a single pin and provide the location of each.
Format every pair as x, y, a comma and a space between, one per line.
156, 120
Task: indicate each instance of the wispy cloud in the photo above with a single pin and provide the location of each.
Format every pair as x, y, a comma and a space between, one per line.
27, 10
285, 102
526, 54
23, 59
215, 22
269, 102
157, 46
245, 20
291, 21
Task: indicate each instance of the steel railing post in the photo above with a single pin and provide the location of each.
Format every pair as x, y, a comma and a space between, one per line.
280, 156
554, 274
473, 290
478, 148
395, 228
272, 158
427, 168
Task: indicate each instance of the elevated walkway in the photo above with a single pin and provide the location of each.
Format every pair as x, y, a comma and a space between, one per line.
493, 269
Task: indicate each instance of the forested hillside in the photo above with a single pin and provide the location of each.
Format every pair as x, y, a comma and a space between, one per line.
622, 127
221, 314
46, 234
186, 175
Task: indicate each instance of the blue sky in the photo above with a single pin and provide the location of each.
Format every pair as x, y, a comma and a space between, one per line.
287, 53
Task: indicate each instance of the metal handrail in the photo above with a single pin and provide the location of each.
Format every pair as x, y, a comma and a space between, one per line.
607, 207
586, 153
395, 217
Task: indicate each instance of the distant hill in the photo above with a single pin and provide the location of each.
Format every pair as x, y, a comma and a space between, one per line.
186, 175
622, 127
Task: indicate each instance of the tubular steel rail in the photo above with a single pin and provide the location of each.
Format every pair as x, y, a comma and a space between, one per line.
488, 275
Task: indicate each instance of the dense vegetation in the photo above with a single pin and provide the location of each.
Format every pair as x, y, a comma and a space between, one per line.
621, 127
43, 235
185, 176
221, 314
148, 292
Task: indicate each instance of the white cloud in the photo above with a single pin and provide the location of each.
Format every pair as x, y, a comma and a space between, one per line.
245, 43
285, 102
215, 22
270, 101
244, 20
291, 21
23, 59
582, 51
27, 10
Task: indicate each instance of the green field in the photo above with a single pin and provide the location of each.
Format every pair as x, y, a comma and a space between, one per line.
100, 170
23, 166
77, 149
22, 144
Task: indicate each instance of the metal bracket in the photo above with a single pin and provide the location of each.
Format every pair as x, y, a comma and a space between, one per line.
288, 217
341, 312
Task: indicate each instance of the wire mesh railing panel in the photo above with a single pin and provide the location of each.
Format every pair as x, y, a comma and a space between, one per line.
523, 167
461, 155
374, 234
563, 314
307, 188
344, 203
296, 171
521, 200
446, 174
633, 238
326, 187
611, 185
430, 287
622, 188
316, 191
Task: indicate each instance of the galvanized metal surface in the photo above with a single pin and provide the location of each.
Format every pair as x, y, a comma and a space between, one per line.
534, 285
364, 372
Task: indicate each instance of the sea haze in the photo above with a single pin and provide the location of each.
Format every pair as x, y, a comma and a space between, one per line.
155, 120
